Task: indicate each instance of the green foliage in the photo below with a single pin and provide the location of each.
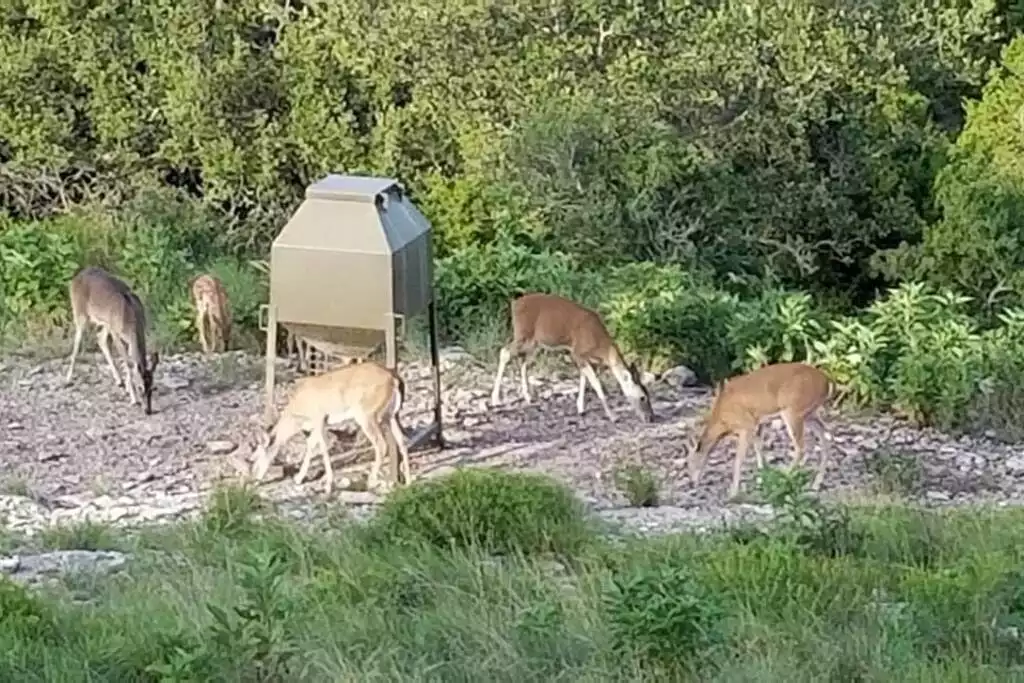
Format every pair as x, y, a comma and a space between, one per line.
639, 484
662, 616
894, 472
477, 281
23, 615
975, 247
487, 509
84, 535
231, 510
919, 351
925, 596
38, 264
249, 638
802, 518
791, 143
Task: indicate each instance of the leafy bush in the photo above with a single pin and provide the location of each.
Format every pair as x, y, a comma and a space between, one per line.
918, 351
38, 262
494, 511
663, 617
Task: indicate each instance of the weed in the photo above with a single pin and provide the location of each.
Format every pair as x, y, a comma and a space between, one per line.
894, 472
638, 484
84, 535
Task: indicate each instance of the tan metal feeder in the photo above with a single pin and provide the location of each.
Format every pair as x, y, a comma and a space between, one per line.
355, 260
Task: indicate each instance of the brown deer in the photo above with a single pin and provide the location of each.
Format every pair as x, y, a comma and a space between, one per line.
554, 322
100, 298
793, 391
368, 393
213, 313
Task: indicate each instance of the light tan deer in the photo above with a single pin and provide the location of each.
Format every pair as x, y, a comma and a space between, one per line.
793, 391
213, 313
553, 322
368, 393
100, 298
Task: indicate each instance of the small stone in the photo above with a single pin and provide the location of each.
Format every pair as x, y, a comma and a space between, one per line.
174, 383
9, 564
1015, 464
52, 457
221, 447
937, 496
358, 497
15, 426
679, 376
103, 501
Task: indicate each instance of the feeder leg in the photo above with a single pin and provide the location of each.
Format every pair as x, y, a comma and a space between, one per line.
435, 362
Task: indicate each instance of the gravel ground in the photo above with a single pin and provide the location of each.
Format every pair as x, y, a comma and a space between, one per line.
82, 451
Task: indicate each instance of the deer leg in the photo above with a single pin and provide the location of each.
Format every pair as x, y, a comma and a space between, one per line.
504, 357
326, 452
201, 328
403, 449
581, 397
524, 380
380, 447
307, 459
758, 450
737, 466
103, 341
824, 438
75, 347
129, 379
795, 427
588, 371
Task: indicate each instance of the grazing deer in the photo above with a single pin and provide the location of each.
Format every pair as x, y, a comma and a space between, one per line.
549, 321
368, 393
793, 391
100, 298
213, 312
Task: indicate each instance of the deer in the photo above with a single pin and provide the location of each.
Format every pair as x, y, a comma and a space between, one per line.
367, 393
553, 322
213, 312
796, 392
99, 298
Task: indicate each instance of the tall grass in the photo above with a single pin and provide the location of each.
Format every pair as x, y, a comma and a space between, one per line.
243, 595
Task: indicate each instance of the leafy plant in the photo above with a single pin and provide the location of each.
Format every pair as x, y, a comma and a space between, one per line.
663, 617
804, 519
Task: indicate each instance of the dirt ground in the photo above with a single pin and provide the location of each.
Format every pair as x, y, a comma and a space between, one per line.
84, 442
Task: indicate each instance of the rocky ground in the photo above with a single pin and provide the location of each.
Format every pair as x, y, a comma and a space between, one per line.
83, 452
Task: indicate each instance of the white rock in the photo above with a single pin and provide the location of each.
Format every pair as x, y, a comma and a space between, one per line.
1015, 463
174, 383
679, 376
221, 447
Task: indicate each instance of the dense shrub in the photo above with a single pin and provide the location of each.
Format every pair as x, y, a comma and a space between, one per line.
792, 143
495, 511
